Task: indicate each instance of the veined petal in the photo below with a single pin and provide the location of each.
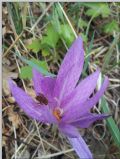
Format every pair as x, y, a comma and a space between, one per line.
37, 78
81, 148
47, 86
79, 110
43, 84
68, 130
74, 58
93, 101
88, 119
81, 93
30, 107
63, 85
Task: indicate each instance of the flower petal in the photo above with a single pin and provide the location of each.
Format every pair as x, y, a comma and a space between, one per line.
81, 148
47, 86
93, 101
37, 78
83, 90
68, 130
88, 119
30, 107
82, 108
62, 87
43, 84
74, 58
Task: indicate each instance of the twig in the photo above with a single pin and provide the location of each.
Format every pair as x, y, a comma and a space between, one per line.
11, 20
36, 151
18, 37
36, 23
67, 19
17, 139
40, 136
55, 154
23, 143
19, 66
29, 30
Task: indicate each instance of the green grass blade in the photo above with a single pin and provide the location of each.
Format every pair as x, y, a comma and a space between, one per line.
115, 132
33, 65
108, 55
87, 52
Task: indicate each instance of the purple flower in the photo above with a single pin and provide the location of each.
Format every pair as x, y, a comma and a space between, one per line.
62, 100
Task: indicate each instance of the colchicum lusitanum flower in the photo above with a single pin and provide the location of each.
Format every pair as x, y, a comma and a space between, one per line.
63, 100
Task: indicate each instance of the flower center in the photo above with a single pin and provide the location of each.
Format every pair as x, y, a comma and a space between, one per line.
57, 112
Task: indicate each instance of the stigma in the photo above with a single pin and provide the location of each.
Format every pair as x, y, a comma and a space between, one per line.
57, 112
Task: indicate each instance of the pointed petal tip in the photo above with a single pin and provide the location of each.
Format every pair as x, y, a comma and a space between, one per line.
106, 81
78, 41
107, 115
89, 119
101, 116
10, 80
98, 69
106, 78
11, 83
79, 38
97, 72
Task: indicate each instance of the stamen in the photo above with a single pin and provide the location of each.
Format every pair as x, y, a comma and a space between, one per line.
57, 100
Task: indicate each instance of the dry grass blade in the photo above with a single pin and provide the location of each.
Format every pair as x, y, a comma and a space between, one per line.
55, 154
67, 19
12, 45
18, 64
109, 53
45, 11
40, 137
